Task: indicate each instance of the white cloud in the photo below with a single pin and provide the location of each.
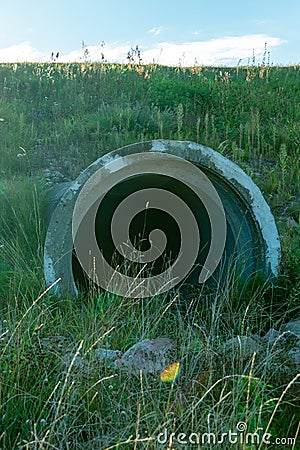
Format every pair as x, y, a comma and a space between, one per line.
116, 53
21, 53
156, 31
220, 51
262, 22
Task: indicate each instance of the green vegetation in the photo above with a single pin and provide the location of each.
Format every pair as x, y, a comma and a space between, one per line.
63, 117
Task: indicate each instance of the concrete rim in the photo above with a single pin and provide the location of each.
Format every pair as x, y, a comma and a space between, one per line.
59, 245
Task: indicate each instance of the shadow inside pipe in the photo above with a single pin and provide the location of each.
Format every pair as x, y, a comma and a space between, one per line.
141, 226
243, 253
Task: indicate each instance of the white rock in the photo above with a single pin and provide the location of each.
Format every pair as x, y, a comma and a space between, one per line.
150, 356
293, 327
295, 354
243, 346
102, 354
271, 336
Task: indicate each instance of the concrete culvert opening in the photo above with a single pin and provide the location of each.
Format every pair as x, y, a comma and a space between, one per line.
141, 226
251, 243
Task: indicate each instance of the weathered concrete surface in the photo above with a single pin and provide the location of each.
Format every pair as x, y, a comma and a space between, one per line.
253, 240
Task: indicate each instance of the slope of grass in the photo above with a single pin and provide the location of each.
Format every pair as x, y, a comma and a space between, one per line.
53, 393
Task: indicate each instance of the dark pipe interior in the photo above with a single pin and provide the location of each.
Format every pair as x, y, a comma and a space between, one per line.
143, 223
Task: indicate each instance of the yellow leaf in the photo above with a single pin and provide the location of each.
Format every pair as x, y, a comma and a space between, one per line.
171, 372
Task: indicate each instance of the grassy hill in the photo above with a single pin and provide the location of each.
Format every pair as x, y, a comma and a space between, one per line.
64, 116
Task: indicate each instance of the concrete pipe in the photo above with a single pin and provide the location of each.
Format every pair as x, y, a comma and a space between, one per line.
154, 215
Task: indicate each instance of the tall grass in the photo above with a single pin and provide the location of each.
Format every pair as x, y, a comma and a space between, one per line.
54, 392
84, 110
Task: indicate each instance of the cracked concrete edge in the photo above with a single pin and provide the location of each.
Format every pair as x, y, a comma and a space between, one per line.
235, 176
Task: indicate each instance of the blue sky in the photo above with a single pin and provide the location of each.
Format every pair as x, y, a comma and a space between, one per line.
218, 32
